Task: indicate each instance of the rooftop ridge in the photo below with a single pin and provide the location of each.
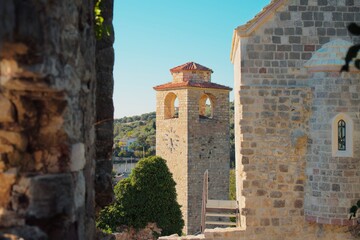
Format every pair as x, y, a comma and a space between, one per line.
190, 66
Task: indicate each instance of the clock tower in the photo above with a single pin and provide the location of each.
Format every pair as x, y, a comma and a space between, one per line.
192, 135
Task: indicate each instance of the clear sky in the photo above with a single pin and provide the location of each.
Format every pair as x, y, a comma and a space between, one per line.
152, 36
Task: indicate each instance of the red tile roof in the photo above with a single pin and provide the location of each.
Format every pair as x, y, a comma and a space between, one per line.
172, 85
190, 66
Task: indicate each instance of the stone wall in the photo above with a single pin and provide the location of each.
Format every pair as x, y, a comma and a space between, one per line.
190, 75
274, 133
174, 129
47, 136
209, 148
333, 181
104, 110
274, 56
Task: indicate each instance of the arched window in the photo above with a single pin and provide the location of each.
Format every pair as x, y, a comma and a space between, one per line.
342, 136
171, 106
206, 106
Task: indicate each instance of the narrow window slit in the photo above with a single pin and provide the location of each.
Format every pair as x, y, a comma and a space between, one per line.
341, 135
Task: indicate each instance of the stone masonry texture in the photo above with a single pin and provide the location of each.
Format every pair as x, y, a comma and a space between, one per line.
290, 185
47, 135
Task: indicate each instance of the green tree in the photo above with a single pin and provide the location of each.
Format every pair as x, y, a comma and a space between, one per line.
148, 195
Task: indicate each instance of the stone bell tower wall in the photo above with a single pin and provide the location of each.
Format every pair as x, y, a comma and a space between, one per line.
176, 159
209, 149
194, 137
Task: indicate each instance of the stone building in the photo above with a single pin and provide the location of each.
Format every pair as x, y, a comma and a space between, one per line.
55, 119
297, 126
192, 134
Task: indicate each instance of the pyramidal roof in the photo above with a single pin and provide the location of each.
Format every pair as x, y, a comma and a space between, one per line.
190, 66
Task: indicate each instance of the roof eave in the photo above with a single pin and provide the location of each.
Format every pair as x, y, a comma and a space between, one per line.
159, 88
234, 45
246, 29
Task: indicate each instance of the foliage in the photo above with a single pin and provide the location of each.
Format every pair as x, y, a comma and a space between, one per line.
353, 50
100, 29
232, 185
143, 128
354, 209
232, 136
355, 230
350, 55
232, 189
148, 195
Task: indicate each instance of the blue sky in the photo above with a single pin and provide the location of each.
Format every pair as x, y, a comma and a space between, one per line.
152, 36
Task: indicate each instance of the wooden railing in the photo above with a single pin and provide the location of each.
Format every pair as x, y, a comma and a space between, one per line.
220, 211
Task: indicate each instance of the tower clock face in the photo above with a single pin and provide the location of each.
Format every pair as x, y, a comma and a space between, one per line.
171, 139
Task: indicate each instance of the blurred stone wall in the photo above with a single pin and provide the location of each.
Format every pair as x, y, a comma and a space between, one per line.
47, 118
104, 109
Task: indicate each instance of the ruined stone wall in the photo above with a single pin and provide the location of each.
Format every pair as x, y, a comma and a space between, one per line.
47, 137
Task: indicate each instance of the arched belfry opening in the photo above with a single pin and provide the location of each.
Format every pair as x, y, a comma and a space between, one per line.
206, 106
171, 106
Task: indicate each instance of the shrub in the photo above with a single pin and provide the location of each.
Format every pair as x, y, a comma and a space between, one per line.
148, 195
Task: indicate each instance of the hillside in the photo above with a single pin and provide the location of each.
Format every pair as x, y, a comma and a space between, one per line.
143, 127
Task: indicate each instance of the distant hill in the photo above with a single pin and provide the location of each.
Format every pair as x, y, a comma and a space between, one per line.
143, 127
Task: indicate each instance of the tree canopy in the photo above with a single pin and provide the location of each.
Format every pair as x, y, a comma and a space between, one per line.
147, 196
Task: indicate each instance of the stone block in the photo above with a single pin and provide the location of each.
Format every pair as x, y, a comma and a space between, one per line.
279, 203
7, 179
24, 232
307, 16
7, 110
77, 157
276, 194
279, 31
9, 219
321, 31
294, 39
276, 39
51, 195
13, 138
264, 222
79, 192
285, 16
